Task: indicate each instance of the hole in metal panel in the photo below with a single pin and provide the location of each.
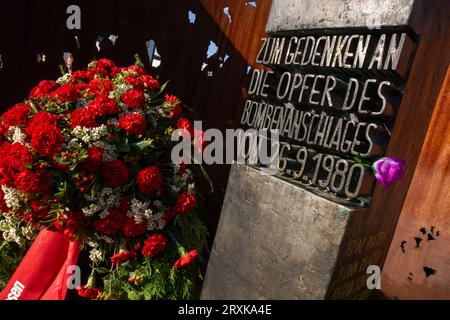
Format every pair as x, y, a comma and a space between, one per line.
212, 49
429, 271
191, 16
223, 60
226, 12
153, 55
113, 38
98, 41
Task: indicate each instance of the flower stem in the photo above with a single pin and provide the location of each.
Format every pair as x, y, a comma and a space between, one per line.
181, 250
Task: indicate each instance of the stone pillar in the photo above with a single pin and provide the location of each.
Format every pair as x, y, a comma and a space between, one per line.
319, 14
275, 240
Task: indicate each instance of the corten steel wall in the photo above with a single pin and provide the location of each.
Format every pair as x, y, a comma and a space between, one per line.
31, 27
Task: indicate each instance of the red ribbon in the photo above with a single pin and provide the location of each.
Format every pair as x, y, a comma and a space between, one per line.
42, 274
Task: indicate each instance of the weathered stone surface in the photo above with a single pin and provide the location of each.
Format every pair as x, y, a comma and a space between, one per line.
274, 240
309, 14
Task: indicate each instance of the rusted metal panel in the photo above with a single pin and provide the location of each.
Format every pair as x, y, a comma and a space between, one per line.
418, 262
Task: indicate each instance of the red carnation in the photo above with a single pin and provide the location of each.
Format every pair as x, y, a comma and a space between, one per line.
47, 139
29, 181
131, 229
84, 117
136, 69
149, 82
133, 98
185, 203
105, 64
111, 224
115, 173
69, 225
18, 156
115, 71
100, 86
99, 72
7, 173
186, 260
40, 118
133, 123
154, 244
135, 82
102, 106
185, 124
88, 292
43, 88
122, 257
106, 226
17, 115
81, 87
82, 76
149, 179
94, 159
66, 93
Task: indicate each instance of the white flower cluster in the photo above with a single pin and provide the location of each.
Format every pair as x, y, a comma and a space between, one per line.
124, 87
140, 210
17, 135
156, 222
13, 232
89, 135
92, 137
191, 188
95, 254
11, 197
102, 202
63, 79
183, 181
29, 232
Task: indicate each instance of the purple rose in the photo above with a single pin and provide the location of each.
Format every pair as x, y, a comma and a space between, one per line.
388, 170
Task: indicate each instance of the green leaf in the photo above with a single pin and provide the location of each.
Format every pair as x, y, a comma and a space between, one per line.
96, 187
28, 166
144, 144
163, 87
62, 160
102, 270
132, 295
